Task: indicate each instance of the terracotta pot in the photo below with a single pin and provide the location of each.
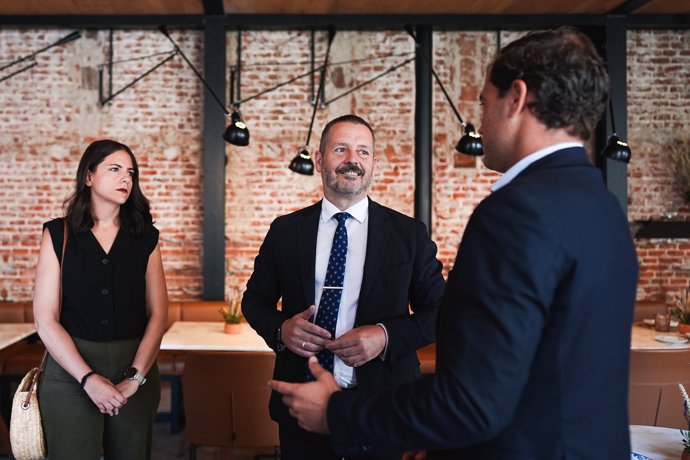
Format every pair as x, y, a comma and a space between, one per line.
232, 328
683, 328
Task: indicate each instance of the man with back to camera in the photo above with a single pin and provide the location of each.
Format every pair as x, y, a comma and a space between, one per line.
364, 265
533, 335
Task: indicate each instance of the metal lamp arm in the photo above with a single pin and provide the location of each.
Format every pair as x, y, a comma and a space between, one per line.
164, 31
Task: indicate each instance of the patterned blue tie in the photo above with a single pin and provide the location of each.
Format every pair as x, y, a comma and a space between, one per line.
327, 315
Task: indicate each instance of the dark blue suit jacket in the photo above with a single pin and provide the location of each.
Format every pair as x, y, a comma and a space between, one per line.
534, 332
400, 272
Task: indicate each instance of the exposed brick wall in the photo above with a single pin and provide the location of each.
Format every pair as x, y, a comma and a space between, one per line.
50, 113
460, 59
658, 114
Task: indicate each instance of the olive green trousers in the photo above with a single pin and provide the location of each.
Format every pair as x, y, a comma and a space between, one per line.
74, 427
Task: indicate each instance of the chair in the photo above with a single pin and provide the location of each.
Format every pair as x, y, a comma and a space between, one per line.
226, 400
427, 358
654, 397
646, 309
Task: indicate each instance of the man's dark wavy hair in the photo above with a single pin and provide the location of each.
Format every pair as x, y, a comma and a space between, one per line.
135, 213
563, 71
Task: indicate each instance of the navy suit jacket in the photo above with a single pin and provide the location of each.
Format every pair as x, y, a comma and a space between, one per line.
400, 272
534, 333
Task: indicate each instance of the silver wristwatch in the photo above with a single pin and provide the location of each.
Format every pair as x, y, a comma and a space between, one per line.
133, 374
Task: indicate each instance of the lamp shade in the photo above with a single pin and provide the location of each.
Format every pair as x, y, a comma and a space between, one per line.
302, 163
471, 142
617, 150
237, 132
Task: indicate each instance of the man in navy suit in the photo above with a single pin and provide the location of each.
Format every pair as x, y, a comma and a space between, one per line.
390, 267
534, 328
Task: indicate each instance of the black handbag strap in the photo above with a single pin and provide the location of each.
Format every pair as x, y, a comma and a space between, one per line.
37, 375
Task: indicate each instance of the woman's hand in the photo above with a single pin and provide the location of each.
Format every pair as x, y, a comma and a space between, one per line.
105, 395
128, 387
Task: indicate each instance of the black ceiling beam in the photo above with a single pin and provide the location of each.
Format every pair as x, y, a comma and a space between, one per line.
658, 21
397, 21
189, 21
629, 6
214, 8
439, 22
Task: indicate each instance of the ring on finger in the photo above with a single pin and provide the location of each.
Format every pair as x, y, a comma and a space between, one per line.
303, 343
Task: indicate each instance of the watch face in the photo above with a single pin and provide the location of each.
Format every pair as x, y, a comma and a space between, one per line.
131, 372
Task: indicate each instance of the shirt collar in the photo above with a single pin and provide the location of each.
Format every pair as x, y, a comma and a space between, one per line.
521, 165
359, 211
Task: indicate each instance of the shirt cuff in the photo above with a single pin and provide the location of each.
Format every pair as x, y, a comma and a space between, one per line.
382, 356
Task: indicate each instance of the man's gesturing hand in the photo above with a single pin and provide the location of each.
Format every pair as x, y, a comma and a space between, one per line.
308, 401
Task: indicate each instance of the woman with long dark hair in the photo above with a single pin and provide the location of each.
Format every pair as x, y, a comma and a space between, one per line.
100, 388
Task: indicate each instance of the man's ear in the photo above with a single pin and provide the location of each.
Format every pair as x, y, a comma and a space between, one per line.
518, 96
318, 160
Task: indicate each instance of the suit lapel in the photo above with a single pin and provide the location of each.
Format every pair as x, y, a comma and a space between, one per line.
306, 249
379, 227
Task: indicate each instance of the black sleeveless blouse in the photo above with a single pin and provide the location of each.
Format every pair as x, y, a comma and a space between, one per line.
103, 295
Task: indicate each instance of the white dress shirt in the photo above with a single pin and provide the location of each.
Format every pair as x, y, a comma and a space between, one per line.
357, 232
521, 165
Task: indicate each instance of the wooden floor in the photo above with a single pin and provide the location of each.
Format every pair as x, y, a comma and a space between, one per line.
167, 446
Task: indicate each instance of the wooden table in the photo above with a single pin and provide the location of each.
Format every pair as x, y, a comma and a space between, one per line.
209, 336
204, 336
656, 442
643, 338
11, 333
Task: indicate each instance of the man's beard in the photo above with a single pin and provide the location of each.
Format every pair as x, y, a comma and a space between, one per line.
345, 186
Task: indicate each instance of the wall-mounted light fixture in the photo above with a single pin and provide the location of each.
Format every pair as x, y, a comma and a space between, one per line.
616, 149
236, 123
471, 142
303, 163
30, 57
237, 132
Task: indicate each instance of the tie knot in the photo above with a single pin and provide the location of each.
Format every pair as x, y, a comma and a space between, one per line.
341, 217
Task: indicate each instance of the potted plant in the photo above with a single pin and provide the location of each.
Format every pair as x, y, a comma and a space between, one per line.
232, 315
685, 433
681, 310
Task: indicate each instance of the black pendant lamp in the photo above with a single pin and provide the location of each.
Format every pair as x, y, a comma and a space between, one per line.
616, 149
471, 142
303, 163
237, 132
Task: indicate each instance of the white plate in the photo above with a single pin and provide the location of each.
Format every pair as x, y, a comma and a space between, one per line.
650, 322
672, 339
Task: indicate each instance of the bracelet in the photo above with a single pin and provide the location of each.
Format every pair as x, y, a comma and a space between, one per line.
86, 376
